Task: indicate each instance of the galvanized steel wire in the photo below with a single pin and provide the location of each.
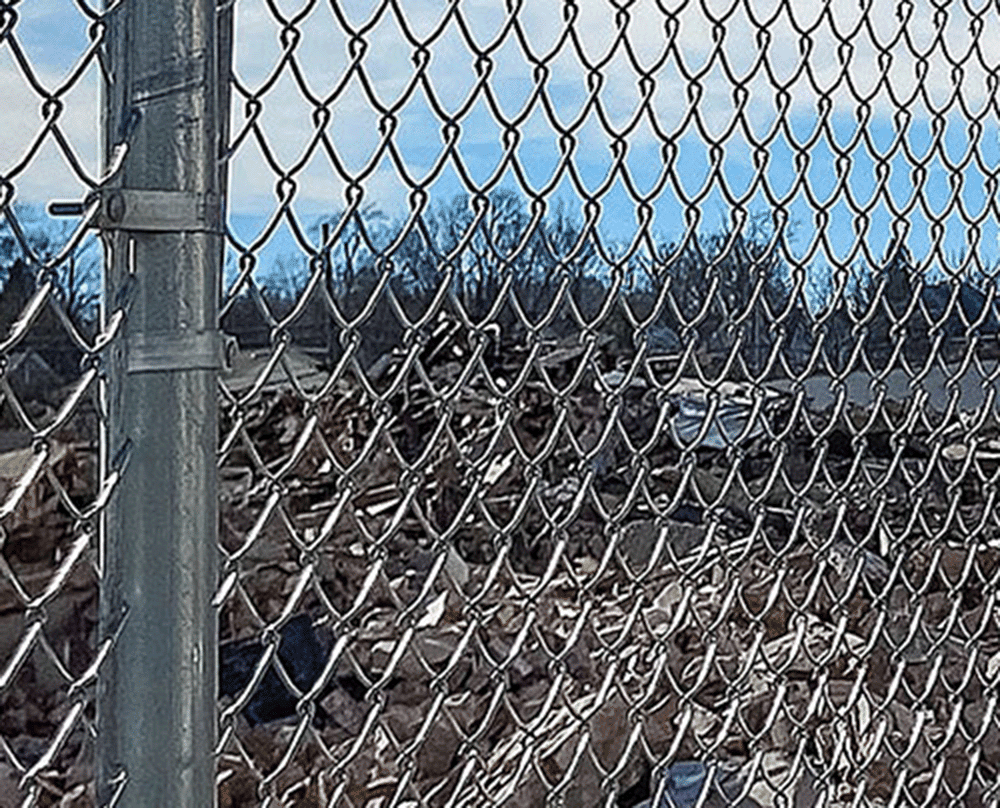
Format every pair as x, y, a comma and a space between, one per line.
58, 473
543, 569
557, 530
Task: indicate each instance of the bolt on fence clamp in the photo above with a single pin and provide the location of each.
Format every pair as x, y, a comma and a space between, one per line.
160, 351
147, 210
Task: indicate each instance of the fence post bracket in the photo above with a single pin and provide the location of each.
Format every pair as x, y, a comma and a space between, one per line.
161, 351
149, 211
157, 211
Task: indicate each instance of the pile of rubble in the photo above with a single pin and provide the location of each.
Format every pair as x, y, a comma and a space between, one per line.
528, 566
536, 565
45, 552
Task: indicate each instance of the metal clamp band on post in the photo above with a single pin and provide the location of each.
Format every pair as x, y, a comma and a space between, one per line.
148, 211
156, 211
158, 352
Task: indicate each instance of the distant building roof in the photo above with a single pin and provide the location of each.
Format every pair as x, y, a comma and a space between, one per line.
30, 376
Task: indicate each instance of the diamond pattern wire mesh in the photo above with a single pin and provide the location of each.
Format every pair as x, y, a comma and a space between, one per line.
517, 514
54, 479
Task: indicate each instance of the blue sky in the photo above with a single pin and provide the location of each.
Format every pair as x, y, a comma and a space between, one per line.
54, 34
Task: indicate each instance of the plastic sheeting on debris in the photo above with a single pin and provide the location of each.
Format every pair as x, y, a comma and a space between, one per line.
729, 422
691, 400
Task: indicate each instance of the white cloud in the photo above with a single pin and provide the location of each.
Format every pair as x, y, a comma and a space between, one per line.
48, 174
322, 56
389, 67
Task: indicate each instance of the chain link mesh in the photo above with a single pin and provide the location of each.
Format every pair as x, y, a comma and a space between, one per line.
56, 473
515, 512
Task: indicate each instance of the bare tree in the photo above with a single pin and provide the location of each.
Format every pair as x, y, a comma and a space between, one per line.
77, 279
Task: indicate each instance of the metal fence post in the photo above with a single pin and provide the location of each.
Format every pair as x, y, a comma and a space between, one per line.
161, 220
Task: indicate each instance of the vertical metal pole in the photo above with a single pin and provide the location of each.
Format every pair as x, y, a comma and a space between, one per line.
157, 690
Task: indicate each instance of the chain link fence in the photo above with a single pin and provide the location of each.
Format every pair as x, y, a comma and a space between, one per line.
533, 489
548, 514
56, 472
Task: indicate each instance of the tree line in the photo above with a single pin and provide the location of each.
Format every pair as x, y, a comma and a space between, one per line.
734, 289
733, 286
